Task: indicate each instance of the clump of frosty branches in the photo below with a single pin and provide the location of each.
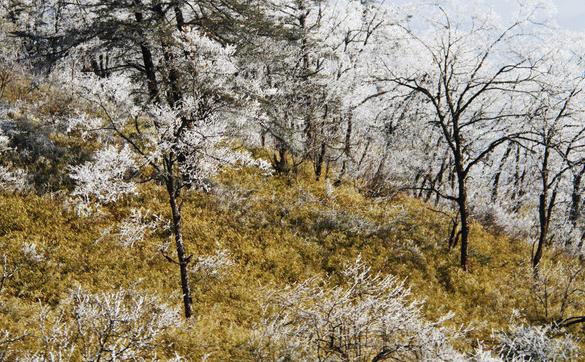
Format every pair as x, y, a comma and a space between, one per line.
213, 265
32, 253
122, 325
536, 343
10, 179
104, 179
135, 227
369, 316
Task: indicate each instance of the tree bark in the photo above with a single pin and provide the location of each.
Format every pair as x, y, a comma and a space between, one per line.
544, 209
183, 259
543, 229
463, 218
319, 161
149, 68
496, 184
576, 198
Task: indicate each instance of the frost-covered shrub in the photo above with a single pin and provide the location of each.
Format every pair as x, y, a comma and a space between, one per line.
135, 227
557, 290
8, 271
536, 343
480, 354
235, 200
121, 325
34, 145
31, 252
104, 179
370, 317
12, 180
84, 124
213, 265
498, 218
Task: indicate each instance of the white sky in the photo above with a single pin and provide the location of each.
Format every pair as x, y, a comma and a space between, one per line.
570, 16
571, 13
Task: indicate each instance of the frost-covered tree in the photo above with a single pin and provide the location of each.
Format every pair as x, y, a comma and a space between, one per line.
161, 78
470, 74
181, 147
105, 178
310, 75
555, 135
538, 176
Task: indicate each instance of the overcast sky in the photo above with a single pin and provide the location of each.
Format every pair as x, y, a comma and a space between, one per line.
571, 13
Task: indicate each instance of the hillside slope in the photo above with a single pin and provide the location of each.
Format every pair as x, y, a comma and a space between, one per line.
277, 231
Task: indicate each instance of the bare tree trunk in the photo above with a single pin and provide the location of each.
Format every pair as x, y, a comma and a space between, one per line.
149, 68
183, 259
175, 94
543, 229
463, 218
576, 199
279, 161
348, 134
319, 161
498, 175
544, 209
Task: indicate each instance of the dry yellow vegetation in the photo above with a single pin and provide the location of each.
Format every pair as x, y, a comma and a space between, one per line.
278, 231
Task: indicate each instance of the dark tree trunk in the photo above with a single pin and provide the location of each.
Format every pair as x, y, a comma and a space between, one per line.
182, 258
149, 68
498, 175
263, 137
175, 94
576, 198
319, 161
543, 229
348, 132
463, 218
279, 161
545, 208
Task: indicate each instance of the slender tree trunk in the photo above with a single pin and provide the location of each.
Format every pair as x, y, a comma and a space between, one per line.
279, 161
461, 174
319, 161
263, 133
175, 94
183, 259
576, 198
180, 19
543, 210
496, 184
149, 68
348, 134
439, 180
463, 218
543, 229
